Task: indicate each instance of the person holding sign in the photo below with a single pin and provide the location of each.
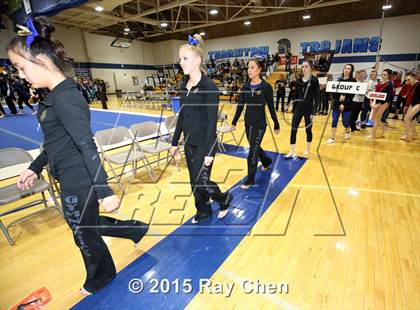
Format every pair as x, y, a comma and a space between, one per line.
306, 102
413, 99
342, 103
380, 106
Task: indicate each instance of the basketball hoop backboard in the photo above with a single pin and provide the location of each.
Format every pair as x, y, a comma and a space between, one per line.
121, 42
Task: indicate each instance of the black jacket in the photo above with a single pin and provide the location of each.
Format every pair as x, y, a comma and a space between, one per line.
347, 101
309, 98
68, 147
22, 89
197, 118
281, 86
256, 101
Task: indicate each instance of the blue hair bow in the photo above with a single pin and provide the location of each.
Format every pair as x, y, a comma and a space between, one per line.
192, 41
32, 32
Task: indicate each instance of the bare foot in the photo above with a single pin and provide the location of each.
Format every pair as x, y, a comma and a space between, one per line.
265, 168
245, 186
84, 292
290, 155
222, 214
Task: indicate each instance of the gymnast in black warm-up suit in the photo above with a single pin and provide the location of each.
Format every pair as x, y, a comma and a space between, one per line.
197, 120
255, 96
71, 154
306, 102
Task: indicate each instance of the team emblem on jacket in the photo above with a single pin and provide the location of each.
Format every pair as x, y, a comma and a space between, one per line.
258, 92
43, 116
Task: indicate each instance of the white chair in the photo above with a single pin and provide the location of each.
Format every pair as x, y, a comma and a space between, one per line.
111, 139
225, 128
9, 159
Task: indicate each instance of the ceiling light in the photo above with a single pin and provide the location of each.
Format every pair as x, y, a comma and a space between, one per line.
386, 7
202, 33
99, 8
247, 23
307, 16
213, 12
126, 29
163, 24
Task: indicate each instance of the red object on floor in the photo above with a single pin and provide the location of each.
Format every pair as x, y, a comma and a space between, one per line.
34, 301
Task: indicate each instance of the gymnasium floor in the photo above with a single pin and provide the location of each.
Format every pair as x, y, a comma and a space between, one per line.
354, 247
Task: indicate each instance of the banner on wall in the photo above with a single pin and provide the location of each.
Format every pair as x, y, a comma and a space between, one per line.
343, 46
239, 52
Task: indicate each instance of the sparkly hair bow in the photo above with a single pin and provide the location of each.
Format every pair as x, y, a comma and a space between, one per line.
29, 31
192, 41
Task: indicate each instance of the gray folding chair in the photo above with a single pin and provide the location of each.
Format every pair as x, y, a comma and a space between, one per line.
225, 128
150, 130
111, 139
9, 158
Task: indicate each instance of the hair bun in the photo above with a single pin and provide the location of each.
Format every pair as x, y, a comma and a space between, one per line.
44, 27
199, 39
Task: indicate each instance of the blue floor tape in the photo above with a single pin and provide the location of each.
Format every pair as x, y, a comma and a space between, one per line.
196, 251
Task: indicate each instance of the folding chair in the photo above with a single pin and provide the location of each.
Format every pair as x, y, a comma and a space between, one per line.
147, 130
111, 139
224, 129
9, 159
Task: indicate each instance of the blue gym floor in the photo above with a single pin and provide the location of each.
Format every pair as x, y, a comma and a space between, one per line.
22, 131
196, 251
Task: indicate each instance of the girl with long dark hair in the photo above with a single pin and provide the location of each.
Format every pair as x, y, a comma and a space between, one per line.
70, 153
256, 95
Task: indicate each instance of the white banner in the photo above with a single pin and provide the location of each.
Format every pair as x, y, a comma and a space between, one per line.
376, 96
346, 87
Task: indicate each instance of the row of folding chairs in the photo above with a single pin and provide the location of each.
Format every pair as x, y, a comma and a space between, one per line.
144, 143
146, 100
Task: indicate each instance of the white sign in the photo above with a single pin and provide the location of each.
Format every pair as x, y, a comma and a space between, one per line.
346, 87
376, 96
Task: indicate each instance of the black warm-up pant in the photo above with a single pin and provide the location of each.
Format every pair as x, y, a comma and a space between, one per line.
11, 105
1, 108
24, 100
255, 135
356, 108
202, 187
296, 119
81, 211
280, 95
324, 103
